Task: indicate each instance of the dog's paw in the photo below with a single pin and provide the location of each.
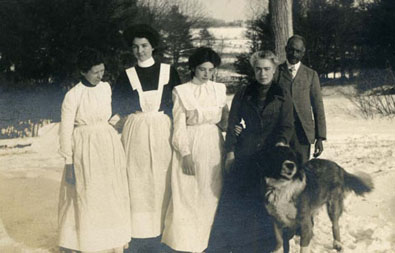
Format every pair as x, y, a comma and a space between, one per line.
337, 245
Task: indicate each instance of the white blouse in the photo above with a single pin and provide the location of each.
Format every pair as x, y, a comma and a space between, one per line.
197, 104
82, 105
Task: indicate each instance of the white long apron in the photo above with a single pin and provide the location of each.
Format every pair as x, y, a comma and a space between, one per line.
94, 213
146, 139
198, 111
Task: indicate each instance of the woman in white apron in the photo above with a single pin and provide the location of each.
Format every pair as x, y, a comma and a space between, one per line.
146, 137
94, 209
200, 115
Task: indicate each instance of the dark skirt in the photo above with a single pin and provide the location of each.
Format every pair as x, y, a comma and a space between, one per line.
241, 223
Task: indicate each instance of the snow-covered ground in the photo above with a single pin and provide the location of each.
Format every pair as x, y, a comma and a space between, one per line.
30, 176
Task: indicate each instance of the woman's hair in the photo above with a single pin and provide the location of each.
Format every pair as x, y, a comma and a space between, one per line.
202, 55
87, 58
264, 54
141, 31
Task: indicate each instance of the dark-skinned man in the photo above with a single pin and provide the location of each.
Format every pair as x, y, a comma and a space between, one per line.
304, 86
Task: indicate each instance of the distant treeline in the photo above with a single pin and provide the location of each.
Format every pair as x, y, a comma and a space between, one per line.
40, 39
347, 37
213, 22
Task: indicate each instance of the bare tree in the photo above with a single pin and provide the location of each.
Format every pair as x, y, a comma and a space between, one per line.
281, 11
154, 12
206, 38
255, 8
195, 10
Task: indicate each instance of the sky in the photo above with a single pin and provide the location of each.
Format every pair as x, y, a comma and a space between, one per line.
227, 10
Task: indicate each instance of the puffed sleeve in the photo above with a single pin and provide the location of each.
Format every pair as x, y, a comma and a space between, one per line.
69, 109
180, 136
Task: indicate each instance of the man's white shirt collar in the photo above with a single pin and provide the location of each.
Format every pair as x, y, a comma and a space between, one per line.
297, 66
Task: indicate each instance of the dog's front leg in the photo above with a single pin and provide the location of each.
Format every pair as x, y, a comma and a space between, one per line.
278, 233
306, 233
305, 217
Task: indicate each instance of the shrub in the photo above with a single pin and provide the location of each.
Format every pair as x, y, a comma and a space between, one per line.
375, 93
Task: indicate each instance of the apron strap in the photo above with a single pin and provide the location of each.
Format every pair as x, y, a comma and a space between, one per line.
164, 77
134, 79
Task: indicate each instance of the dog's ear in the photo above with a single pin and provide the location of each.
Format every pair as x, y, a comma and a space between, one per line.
269, 161
259, 160
262, 160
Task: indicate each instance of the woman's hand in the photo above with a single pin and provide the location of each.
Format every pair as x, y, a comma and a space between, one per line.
70, 175
229, 160
238, 130
187, 165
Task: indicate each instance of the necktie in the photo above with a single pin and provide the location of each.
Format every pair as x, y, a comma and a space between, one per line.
292, 70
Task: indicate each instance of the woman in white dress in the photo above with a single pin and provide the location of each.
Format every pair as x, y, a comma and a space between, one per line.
146, 136
94, 213
200, 115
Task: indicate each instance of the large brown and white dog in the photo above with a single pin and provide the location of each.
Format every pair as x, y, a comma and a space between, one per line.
294, 193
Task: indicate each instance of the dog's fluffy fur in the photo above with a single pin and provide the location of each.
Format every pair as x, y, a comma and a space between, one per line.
294, 193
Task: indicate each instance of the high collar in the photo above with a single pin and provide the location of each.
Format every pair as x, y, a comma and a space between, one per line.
147, 63
297, 65
198, 82
86, 82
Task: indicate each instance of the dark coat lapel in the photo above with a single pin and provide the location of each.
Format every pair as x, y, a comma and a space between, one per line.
285, 73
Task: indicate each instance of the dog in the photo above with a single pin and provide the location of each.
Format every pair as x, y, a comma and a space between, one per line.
293, 194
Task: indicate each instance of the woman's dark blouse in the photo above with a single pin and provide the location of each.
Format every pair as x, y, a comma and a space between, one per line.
125, 100
268, 117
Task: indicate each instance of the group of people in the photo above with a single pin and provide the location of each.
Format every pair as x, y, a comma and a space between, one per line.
172, 178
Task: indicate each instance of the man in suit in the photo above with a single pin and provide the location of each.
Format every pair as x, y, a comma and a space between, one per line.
303, 84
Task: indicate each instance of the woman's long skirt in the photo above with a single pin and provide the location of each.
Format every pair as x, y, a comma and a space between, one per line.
94, 213
195, 198
146, 139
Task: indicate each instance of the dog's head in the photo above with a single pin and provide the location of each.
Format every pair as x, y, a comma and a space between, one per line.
279, 163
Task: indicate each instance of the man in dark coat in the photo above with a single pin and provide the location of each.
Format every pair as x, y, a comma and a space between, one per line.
303, 84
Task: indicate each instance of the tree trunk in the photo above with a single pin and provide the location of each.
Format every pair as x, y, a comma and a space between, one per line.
281, 12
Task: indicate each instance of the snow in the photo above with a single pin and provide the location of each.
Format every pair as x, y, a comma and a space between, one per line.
227, 33
228, 40
30, 177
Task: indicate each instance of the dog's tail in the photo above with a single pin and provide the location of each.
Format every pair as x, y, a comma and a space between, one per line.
360, 184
